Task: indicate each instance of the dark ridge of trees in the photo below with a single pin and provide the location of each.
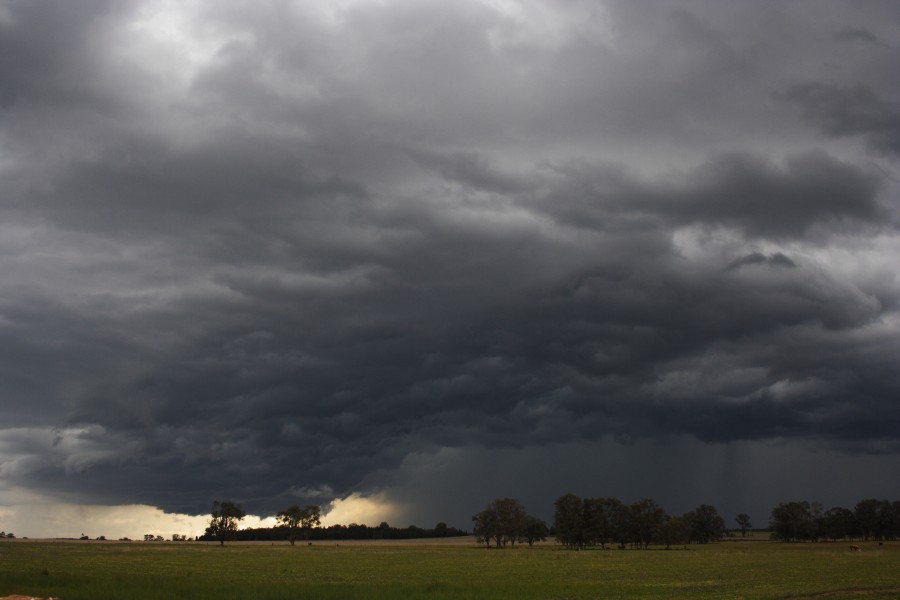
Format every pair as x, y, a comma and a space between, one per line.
352, 531
582, 522
870, 519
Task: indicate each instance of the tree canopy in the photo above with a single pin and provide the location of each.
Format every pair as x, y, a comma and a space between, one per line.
505, 522
224, 522
297, 520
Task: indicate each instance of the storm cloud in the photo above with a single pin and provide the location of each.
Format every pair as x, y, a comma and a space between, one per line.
286, 252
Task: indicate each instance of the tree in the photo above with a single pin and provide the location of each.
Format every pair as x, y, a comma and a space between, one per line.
535, 530
838, 523
888, 521
866, 512
224, 522
295, 519
600, 520
646, 519
568, 521
743, 521
511, 517
621, 524
484, 526
793, 521
674, 531
894, 531
706, 524
440, 530
503, 521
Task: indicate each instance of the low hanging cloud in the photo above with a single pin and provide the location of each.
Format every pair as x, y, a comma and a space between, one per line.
839, 111
757, 258
303, 252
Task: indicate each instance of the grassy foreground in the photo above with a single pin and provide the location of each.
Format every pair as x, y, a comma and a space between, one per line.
75, 570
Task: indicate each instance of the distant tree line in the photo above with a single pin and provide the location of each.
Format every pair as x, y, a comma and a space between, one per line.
295, 523
870, 519
353, 531
580, 523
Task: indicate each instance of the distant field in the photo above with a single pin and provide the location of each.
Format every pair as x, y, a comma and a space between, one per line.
449, 569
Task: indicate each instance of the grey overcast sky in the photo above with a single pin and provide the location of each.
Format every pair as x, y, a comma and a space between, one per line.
418, 254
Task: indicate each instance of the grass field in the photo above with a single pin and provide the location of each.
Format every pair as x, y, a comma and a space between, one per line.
76, 570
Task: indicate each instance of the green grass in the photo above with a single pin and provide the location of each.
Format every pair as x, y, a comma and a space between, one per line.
74, 570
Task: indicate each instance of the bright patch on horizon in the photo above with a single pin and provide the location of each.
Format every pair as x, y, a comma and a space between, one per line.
362, 510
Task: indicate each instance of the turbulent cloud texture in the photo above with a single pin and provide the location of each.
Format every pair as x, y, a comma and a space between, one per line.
284, 252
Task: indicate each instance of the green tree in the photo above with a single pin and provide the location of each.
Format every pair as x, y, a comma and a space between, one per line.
838, 523
484, 526
888, 521
743, 521
676, 531
295, 519
599, 520
511, 519
793, 521
867, 517
535, 530
646, 519
224, 522
568, 521
894, 530
706, 524
503, 521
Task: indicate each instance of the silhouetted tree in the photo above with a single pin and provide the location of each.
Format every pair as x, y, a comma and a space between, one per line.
295, 519
484, 526
646, 519
568, 521
838, 523
706, 524
877, 519
894, 532
535, 530
866, 513
743, 521
224, 522
600, 520
675, 530
793, 521
621, 524
503, 521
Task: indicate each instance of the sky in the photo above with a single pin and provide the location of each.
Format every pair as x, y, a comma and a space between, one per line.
401, 257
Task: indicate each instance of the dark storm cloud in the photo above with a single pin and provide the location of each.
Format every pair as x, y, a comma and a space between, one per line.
844, 111
855, 34
739, 191
313, 246
757, 258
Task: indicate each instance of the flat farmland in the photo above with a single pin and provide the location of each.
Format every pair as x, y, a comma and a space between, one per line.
760, 569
